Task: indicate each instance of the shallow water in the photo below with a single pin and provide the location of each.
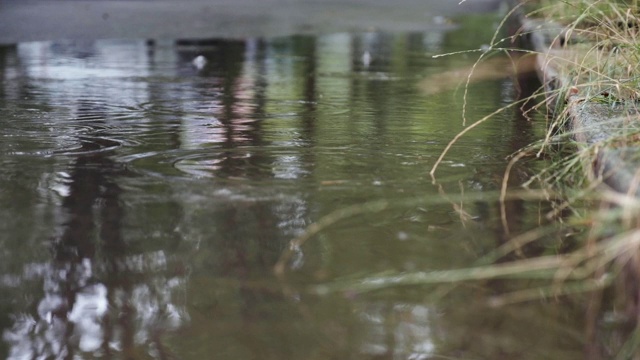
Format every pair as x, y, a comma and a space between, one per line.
145, 201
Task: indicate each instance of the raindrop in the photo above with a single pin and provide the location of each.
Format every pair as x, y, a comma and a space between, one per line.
199, 62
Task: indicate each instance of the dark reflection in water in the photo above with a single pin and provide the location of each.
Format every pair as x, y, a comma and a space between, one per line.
145, 198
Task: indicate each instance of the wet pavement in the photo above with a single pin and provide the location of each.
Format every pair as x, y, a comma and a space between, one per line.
85, 20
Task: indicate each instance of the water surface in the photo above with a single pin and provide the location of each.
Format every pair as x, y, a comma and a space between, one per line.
145, 199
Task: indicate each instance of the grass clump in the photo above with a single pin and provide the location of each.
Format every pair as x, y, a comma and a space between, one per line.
605, 34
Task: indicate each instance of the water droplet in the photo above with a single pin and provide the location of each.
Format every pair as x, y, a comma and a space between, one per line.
199, 62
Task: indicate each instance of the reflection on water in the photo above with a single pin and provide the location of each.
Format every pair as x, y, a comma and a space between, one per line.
144, 200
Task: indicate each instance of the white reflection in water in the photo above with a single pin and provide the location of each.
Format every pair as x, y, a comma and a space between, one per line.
110, 67
89, 307
288, 167
400, 330
72, 60
78, 315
